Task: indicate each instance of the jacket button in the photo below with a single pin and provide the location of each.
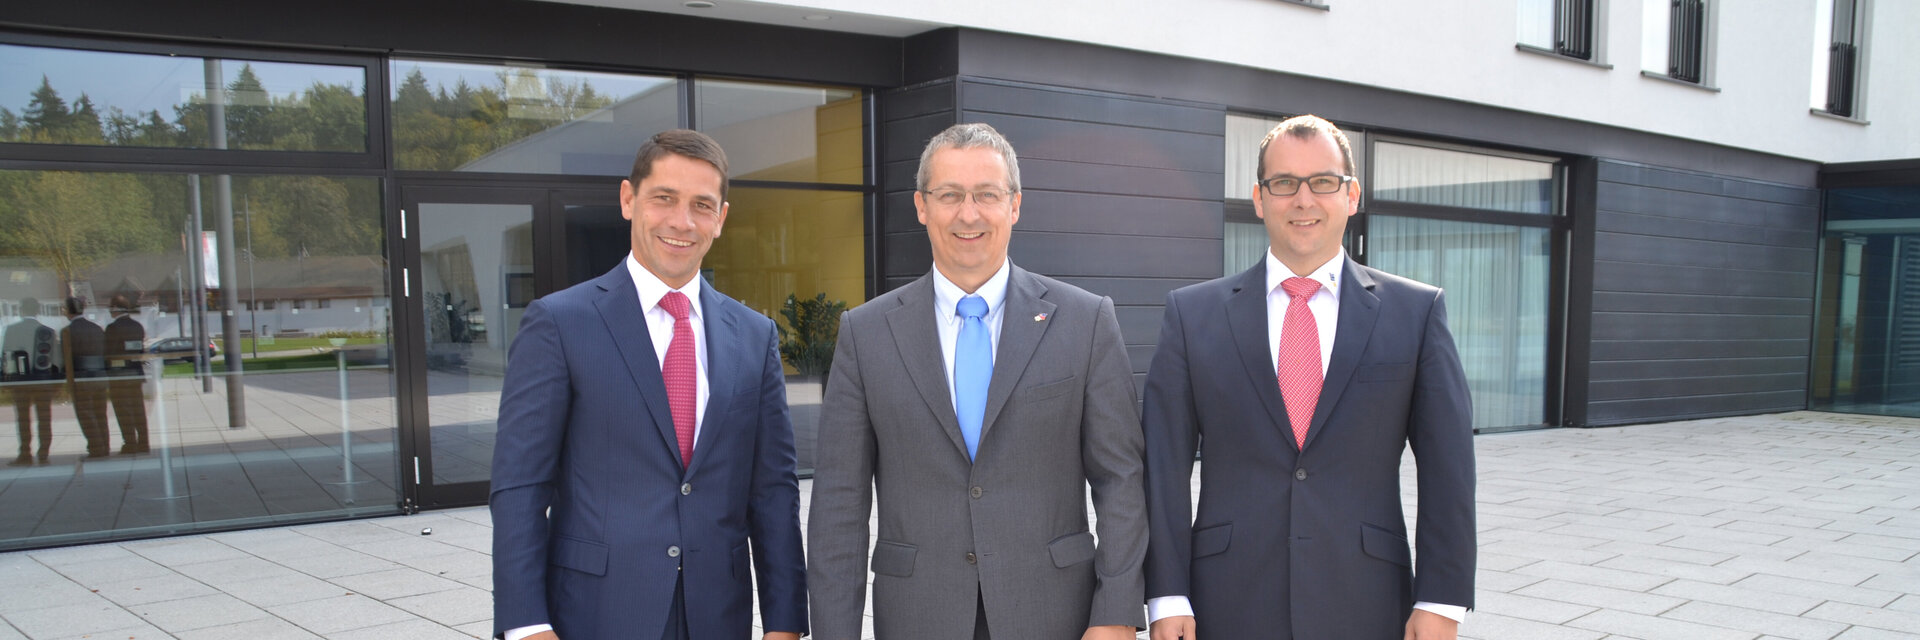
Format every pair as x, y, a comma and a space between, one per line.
976, 492
686, 489
972, 559
673, 551
1300, 474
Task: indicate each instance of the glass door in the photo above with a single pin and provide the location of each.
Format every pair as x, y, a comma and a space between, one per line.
470, 256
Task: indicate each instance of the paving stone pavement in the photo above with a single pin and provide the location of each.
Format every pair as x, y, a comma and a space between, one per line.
1790, 526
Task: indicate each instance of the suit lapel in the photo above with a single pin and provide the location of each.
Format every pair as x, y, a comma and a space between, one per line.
1247, 318
1359, 307
1020, 336
917, 341
619, 306
725, 359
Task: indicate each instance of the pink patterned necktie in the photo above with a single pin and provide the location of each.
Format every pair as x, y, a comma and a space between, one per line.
681, 374
1300, 376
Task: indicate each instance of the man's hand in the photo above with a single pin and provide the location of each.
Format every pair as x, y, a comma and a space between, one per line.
1173, 628
544, 635
1427, 625
780, 635
1110, 632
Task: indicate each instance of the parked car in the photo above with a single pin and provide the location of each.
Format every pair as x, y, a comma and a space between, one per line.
181, 349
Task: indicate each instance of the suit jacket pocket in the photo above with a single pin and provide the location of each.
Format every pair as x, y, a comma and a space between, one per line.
740, 562
1046, 390
894, 559
1383, 372
1385, 545
1071, 549
579, 555
1212, 540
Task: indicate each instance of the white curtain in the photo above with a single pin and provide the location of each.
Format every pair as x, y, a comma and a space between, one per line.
1496, 282
1426, 175
1536, 23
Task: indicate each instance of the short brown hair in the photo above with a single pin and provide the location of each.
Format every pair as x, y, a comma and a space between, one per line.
680, 142
1304, 128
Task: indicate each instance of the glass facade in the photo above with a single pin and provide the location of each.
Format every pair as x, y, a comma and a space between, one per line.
260, 334
153, 388
1866, 356
77, 97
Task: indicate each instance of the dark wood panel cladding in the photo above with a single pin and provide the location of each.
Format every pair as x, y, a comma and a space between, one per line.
1611, 350
499, 30
1088, 254
1618, 412
1702, 294
1120, 193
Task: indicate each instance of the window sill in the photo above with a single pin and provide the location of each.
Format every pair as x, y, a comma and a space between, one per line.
1306, 3
1827, 114
1525, 48
1667, 78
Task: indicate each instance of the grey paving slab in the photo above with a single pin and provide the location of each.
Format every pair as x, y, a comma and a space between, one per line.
1798, 525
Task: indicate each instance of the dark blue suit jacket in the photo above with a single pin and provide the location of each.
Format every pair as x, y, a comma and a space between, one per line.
1310, 542
585, 431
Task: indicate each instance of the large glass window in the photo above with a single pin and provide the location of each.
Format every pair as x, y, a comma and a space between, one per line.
1496, 280
1482, 226
149, 396
1867, 332
450, 116
785, 133
73, 96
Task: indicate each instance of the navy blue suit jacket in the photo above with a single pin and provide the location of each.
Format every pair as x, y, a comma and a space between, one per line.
585, 431
1293, 542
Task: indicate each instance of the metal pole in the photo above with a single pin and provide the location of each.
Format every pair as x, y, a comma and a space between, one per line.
197, 260
229, 273
253, 301
346, 428
160, 417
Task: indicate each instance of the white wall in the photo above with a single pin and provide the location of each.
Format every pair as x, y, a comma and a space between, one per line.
1465, 50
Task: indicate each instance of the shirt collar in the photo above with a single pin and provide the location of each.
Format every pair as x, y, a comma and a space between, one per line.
947, 295
1328, 275
651, 289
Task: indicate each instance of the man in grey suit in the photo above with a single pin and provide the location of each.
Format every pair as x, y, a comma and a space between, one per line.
1305, 378
981, 400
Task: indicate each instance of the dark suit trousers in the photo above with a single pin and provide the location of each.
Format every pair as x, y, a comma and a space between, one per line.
27, 400
980, 618
130, 407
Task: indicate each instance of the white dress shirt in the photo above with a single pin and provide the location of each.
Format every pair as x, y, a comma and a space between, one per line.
946, 317
659, 327
1325, 306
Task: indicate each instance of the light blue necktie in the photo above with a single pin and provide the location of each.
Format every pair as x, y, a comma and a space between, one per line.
972, 370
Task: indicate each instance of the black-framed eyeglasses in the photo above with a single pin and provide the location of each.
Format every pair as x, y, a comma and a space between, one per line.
1325, 183
956, 197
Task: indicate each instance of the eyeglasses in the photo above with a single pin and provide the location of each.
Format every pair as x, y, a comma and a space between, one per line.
1325, 183
986, 198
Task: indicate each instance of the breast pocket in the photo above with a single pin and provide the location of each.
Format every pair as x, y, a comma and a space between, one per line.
1047, 390
1383, 372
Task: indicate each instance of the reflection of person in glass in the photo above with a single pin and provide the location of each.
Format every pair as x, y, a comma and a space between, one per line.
86, 362
126, 386
32, 367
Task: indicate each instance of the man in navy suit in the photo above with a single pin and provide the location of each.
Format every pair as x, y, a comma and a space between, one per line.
644, 444
1305, 378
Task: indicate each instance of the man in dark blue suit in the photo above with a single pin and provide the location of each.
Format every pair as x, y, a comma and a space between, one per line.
644, 444
1305, 378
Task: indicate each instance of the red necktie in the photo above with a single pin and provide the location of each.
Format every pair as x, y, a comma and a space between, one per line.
681, 374
1299, 373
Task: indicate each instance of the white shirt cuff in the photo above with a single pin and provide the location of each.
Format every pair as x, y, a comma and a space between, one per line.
522, 632
1167, 607
1452, 612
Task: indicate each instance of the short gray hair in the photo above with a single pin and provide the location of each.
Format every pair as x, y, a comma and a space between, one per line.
970, 135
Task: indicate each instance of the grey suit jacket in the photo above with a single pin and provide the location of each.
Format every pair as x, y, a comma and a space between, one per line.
1010, 529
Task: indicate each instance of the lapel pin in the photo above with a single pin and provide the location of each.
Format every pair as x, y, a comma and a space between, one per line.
1040, 318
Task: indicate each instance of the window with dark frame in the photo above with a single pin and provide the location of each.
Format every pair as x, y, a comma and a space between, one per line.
1686, 40
1573, 28
1843, 59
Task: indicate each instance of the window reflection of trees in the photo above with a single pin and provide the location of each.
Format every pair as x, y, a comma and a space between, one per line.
322, 117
